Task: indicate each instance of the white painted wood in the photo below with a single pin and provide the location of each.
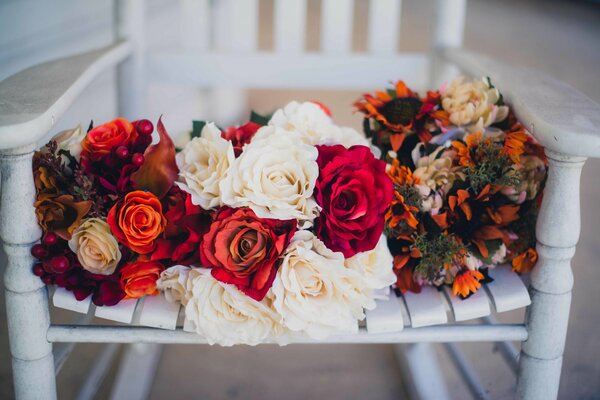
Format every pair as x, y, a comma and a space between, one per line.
448, 32
563, 119
507, 291
426, 308
302, 71
336, 26
26, 296
442, 333
62, 298
195, 25
386, 317
121, 312
64, 350
382, 293
507, 349
136, 372
37, 97
557, 233
384, 26
157, 312
290, 26
235, 26
421, 372
476, 306
466, 371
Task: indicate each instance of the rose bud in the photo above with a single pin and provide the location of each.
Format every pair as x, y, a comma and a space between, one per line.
39, 251
137, 159
122, 152
50, 239
38, 270
60, 264
144, 127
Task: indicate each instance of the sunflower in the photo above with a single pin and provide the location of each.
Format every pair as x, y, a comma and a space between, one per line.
466, 282
400, 212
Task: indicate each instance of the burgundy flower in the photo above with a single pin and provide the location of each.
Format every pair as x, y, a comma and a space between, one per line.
354, 192
240, 136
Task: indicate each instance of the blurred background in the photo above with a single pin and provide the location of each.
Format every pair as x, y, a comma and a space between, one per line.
560, 38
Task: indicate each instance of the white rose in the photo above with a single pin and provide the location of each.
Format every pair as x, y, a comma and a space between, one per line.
173, 282
224, 315
375, 268
275, 178
203, 163
314, 292
96, 248
313, 126
70, 140
472, 104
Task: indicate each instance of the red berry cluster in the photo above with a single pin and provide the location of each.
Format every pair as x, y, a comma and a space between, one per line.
53, 259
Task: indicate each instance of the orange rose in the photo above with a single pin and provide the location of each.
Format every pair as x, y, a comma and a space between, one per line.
103, 139
137, 220
138, 279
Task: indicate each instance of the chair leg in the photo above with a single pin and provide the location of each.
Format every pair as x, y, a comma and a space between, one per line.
551, 280
421, 373
26, 296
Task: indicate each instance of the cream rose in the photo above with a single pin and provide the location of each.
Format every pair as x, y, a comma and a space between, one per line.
314, 292
375, 268
275, 178
472, 104
96, 248
224, 315
174, 283
312, 125
70, 140
203, 163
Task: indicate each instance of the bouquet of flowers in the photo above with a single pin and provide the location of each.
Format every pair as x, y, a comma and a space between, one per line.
262, 232
468, 182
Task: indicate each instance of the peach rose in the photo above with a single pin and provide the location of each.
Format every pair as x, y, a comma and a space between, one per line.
138, 279
96, 248
137, 221
103, 139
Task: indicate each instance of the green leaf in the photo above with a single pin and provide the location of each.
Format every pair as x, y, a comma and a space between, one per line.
197, 127
492, 246
260, 119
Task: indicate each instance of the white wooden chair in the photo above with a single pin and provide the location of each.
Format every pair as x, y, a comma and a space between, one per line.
563, 120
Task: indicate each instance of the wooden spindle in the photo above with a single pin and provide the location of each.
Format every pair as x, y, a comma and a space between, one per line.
557, 233
28, 319
290, 26
384, 26
336, 26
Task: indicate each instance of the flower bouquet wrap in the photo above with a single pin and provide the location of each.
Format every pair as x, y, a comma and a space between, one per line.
468, 182
262, 232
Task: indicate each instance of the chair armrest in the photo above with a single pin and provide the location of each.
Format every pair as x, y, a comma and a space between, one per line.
31, 101
563, 119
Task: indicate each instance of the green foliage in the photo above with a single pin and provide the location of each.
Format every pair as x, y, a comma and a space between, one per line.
436, 251
260, 119
493, 166
197, 127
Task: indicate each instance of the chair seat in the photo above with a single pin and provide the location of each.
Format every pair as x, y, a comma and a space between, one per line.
430, 307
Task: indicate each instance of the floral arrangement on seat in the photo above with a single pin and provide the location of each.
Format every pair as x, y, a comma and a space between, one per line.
262, 232
468, 182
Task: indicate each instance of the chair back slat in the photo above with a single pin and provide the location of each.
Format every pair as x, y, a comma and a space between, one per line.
235, 27
289, 26
195, 25
384, 26
336, 26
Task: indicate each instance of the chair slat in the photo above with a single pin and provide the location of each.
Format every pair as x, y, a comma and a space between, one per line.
507, 291
476, 306
195, 28
62, 298
336, 26
236, 25
384, 26
386, 317
426, 308
290, 25
121, 312
157, 312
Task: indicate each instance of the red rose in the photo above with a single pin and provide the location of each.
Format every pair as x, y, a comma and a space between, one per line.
354, 192
186, 224
240, 136
103, 139
244, 250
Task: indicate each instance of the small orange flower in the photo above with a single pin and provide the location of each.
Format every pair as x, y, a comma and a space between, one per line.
464, 149
525, 261
401, 175
137, 220
399, 211
514, 142
466, 282
138, 279
405, 281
